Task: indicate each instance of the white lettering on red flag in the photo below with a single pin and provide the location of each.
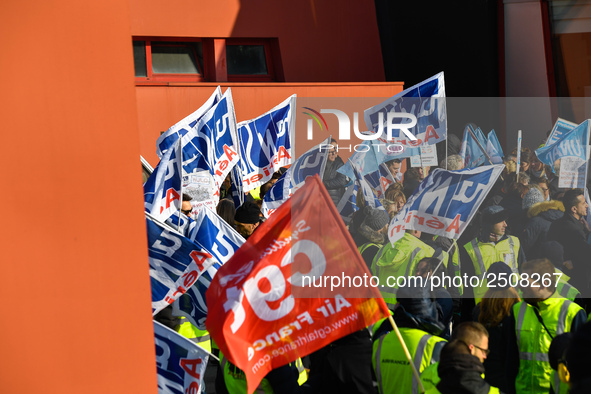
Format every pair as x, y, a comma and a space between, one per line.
263, 313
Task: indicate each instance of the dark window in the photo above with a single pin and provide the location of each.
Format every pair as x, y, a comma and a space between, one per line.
246, 60
139, 58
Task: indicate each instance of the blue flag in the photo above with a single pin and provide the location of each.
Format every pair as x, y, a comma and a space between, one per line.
560, 128
163, 189
219, 239
473, 156
212, 144
348, 204
175, 263
368, 194
265, 143
311, 163
180, 363
570, 144
171, 136
445, 202
426, 101
493, 148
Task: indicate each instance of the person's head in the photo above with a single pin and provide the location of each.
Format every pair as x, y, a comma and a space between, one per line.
426, 267
544, 185
412, 174
453, 163
536, 165
333, 151
496, 304
400, 200
524, 178
227, 210
227, 182
475, 336
265, 187
376, 219
247, 218
393, 190
394, 167
417, 306
526, 159
186, 206
531, 198
494, 220
574, 203
540, 286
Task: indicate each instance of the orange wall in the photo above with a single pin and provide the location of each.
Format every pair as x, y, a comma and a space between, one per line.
319, 40
75, 284
160, 107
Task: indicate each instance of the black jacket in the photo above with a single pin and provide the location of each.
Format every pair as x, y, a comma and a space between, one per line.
572, 235
461, 373
541, 216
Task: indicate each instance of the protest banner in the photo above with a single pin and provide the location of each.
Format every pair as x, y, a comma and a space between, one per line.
368, 193
560, 128
212, 144
493, 148
472, 151
571, 144
426, 101
175, 263
348, 204
163, 189
210, 232
265, 143
311, 163
264, 311
380, 180
171, 136
180, 363
201, 188
445, 202
573, 173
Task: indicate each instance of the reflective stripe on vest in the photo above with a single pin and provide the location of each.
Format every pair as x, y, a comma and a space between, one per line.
378, 364
512, 246
567, 290
418, 359
533, 339
478, 254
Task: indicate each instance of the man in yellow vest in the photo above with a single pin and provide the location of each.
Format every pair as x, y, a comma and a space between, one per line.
461, 371
418, 319
542, 315
393, 262
491, 245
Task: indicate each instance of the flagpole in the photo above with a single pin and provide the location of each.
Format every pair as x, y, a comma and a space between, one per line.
518, 154
479, 145
180, 155
407, 353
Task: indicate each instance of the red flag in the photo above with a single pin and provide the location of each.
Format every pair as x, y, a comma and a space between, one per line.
256, 311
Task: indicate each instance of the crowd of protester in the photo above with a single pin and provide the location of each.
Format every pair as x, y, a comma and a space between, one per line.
526, 336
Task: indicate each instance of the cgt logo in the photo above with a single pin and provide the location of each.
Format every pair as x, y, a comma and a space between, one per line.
345, 124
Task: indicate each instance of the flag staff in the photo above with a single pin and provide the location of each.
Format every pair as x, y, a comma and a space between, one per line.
407, 353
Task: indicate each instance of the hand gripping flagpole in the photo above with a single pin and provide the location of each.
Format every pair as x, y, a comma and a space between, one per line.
407, 353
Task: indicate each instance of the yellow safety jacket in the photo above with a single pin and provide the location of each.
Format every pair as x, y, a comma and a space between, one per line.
484, 254
533, 339
399, 260
235, 379
391, 367
200, 337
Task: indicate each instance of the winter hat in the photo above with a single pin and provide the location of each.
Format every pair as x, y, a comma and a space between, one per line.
500, 268
376, 219
248, 213
533, 196
494, 214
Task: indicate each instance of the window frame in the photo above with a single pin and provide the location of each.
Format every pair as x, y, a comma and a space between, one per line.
266, 43
172, 77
